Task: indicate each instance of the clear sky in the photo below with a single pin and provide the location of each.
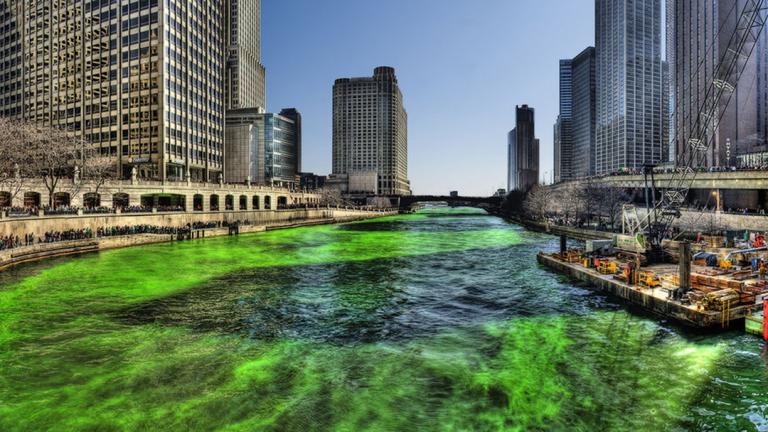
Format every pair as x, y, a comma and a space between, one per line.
462, 65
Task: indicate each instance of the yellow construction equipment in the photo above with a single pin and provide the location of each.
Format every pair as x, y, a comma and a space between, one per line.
608, 267
649, 279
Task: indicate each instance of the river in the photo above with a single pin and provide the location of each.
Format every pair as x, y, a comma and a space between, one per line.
437, 321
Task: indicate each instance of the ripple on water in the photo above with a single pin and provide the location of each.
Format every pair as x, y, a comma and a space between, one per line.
436, 321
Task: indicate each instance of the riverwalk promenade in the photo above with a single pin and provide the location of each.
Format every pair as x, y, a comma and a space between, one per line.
219, 223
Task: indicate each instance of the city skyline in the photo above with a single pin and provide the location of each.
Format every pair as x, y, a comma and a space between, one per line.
455, 103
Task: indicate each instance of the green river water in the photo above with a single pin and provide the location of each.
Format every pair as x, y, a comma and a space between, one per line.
438, 321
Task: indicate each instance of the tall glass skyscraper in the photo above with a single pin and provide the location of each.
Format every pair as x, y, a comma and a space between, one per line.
575, 127
523, 152
632, 105
563, 127
701, 31
584, 113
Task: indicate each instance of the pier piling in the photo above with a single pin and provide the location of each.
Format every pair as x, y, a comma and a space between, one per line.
685, 267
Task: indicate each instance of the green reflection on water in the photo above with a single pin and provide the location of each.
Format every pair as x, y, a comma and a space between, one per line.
68, 364
519, 375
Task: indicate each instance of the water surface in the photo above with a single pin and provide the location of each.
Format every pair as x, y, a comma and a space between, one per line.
436, 321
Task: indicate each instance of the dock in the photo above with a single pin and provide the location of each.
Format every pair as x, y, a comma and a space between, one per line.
655, 300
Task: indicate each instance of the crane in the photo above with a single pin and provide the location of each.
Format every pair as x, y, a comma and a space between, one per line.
663, 204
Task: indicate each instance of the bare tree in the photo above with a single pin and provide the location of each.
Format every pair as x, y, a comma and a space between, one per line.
570, 202
15, 157
331, 197
56, 155
538, 202
612, 202
99, 169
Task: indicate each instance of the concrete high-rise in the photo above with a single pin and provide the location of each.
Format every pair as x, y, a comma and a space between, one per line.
246, 76
632, 119
142, 80
523, 152
701, 31
370, 135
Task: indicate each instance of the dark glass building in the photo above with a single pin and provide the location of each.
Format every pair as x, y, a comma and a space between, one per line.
523, 152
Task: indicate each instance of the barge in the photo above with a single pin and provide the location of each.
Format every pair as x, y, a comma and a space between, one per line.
651, 297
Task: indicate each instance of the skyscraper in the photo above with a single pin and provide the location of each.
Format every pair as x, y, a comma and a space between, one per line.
141, 80
584, 108
563, 132
523, 152
701, 31
632, 118
246, 76
370, 135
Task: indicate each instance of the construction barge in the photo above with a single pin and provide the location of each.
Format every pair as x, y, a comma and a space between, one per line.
717, 297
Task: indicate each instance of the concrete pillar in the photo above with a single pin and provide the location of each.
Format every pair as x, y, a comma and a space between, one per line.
189, 202
18, 200
106, 199
134, 199
563, 245
206, 203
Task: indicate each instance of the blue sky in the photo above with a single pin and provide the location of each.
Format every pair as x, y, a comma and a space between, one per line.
463, 65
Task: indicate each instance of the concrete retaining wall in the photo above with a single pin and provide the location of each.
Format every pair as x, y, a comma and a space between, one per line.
261, 221
40, 225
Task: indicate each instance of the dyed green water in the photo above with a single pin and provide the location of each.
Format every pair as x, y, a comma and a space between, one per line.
436, 321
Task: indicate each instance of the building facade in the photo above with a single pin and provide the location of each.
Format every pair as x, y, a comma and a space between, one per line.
370, 135
523, 152
632, 118
245, 75
584, 117
700, 32
146, 82
563, 137
261, 148
295, 115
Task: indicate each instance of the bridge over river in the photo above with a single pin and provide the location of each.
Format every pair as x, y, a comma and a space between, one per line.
487, 203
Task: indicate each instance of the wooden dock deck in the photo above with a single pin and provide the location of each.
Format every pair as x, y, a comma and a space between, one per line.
654, 300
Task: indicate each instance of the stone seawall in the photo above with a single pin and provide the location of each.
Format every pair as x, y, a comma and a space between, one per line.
260, 221
40, 225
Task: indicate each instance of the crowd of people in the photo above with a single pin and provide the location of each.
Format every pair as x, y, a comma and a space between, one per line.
60, 210
135, 229
169, 209
10, 242
137, 209
22, 211
98, 210
68, 235
670, 170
